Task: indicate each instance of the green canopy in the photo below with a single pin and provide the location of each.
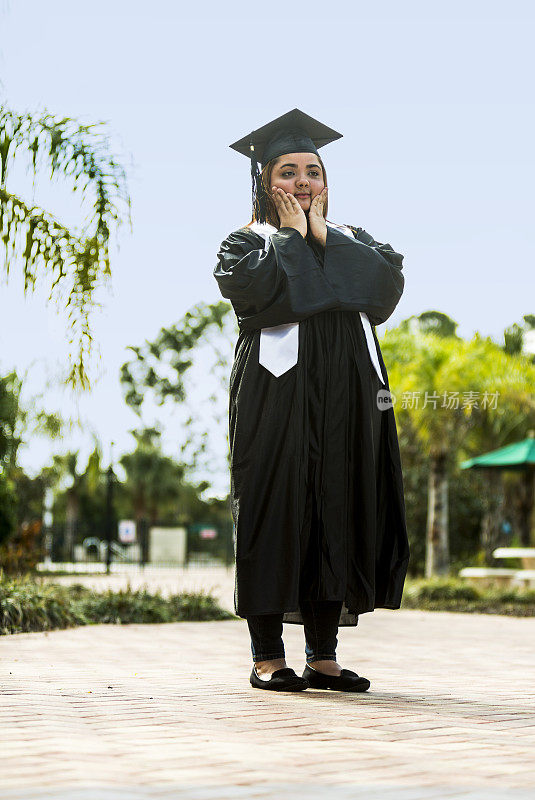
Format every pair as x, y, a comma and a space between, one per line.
520, 455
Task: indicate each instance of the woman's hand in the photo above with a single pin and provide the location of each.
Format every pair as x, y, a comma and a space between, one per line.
316, 221
291, 215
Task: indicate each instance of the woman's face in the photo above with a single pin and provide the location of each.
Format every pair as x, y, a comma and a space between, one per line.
301, 175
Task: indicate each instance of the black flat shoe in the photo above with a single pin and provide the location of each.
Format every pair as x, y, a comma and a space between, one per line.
282, 680
347, 681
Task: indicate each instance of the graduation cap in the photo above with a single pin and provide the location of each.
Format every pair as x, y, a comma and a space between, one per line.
294, 132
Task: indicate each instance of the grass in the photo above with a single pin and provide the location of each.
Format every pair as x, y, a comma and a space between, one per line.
27, 604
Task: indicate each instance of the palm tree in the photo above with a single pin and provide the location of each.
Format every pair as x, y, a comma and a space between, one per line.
70, 263
511, 377
64, 470
448, 388
153, 480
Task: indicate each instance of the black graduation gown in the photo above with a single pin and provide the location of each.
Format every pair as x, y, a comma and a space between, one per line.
316, 481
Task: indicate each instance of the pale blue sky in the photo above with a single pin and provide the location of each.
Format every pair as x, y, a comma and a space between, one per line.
435, 102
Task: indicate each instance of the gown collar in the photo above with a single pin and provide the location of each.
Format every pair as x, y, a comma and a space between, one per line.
265, 229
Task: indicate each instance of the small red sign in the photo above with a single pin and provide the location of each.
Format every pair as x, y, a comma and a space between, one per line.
208, 533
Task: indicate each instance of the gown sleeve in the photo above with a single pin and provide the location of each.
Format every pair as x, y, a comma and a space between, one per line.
364, 274
284, 284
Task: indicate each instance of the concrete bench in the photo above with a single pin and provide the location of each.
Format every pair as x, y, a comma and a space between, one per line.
499, 575
488, 576
525, 577
525, 554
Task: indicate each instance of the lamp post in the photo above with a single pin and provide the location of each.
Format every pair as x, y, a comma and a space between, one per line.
142, 536
110, 511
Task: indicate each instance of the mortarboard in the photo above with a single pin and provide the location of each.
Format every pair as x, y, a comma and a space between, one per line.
294, 132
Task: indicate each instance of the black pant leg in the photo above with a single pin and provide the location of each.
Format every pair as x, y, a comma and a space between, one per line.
266, 636
321, 619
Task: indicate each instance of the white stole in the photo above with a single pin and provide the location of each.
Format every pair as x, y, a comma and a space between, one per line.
279, 345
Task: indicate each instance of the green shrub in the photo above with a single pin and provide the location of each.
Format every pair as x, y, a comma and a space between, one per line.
452, 594
504, 595
27, 605
138, 606
446, 589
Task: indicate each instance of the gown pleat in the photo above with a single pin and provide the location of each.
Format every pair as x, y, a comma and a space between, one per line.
336, 438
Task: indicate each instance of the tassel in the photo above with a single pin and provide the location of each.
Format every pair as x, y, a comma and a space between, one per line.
258, 191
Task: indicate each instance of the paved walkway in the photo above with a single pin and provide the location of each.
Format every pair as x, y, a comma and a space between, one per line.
166, 711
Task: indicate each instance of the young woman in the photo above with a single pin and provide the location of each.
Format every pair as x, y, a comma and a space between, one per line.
316, 482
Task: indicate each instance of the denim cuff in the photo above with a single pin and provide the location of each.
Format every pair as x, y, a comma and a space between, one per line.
267, 656
320, 657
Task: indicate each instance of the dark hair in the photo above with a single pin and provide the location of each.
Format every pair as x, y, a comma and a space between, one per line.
271, 209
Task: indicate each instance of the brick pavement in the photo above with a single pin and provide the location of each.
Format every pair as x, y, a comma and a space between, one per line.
166, 711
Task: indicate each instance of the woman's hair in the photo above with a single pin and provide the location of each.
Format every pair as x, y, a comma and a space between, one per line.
271, 209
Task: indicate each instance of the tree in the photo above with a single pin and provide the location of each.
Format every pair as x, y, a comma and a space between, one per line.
79, 503
153, 480
10, 387
457, 381
65, 468
430, 322
21, 497
70, 263
8, 507
17, 422
514, 335
198, 349
512, 378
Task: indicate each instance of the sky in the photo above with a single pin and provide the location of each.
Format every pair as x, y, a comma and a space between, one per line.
435, 104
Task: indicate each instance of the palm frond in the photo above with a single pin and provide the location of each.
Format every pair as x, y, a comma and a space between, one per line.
71, 262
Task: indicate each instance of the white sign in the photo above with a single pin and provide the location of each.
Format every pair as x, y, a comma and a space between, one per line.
127, 531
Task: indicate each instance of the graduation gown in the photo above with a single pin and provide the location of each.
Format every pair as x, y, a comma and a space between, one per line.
316, 481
